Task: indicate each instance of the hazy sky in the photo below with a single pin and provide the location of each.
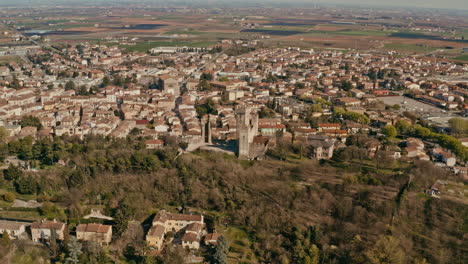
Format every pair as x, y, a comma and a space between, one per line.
454, 4
446, 4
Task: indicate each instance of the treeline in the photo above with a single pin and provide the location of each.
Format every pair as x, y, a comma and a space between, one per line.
306, 212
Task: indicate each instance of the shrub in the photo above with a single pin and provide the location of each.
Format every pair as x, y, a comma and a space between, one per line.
9, 197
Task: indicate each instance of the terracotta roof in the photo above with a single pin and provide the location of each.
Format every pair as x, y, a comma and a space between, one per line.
163, 216
190, 237
260, 140
272, 126
195, 227
141, 122
328, 125
156, 231
11, 225
46, 224
93, 228
212, 237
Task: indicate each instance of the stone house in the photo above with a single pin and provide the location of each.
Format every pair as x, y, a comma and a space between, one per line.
15, 230
101, 234
43, 230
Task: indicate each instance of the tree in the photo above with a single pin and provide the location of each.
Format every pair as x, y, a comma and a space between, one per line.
9, 197
387, 250
346, 85
420, 131
75, 178
74, 251
121, 215
313, 255
31, 121
458, 126
12, 173
224, 79
172, 254
390, 131
402, 126
206, 76
266, 112
5, 241
204, 85
183, 145
26, 185
3, 135
221, 251
105, 81
316, 108
70, 85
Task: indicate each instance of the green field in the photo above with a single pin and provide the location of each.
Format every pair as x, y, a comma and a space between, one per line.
24, 215
287, 28
143, 47
362, 32
8, 59
65, 26
189, 32
462, 57
409, 47
349, 32
240, 246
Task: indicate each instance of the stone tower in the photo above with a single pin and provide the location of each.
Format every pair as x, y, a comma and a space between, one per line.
247, 129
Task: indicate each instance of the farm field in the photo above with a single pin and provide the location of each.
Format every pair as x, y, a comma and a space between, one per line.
409, 47
153, 28
145, 46
462, 57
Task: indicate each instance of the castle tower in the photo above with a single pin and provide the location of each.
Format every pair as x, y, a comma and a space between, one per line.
210, 141
247, 129
205, 123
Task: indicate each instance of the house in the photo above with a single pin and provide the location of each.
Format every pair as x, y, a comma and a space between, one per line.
15, 230
381, 92
176, 222
154, 144
96, 74
413, 152
212, 239
101, 234
328, 126
155, 236
190, 241
348, 101
43, 231
141, 124
192, 227
464, 141
357, 93
193, 233
445, 157
271, 130
321, 147
169, 84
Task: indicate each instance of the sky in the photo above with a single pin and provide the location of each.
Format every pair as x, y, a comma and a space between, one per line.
446, 4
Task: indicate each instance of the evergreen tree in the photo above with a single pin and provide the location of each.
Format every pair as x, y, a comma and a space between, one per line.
3, 135
74, 251
5, 241
12, 173
70, 85
221, 251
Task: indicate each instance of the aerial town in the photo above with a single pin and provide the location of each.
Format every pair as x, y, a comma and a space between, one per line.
125, 150
91, 89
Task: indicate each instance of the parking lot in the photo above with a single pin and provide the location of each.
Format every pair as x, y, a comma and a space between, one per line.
411, 105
